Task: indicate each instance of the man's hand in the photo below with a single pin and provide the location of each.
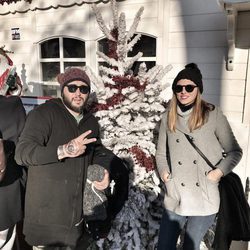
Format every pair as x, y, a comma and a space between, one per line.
101, 185
75, 147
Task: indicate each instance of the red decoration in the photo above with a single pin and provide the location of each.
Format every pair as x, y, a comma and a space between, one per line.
142, 159
112, 45
127, 81
121, 82
110, 102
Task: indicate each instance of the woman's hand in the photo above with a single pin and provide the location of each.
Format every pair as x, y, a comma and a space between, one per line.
165, 177
215, 175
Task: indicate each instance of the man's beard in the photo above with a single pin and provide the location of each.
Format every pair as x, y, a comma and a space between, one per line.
69, 105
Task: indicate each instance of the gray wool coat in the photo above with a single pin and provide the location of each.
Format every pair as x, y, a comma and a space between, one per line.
189, 192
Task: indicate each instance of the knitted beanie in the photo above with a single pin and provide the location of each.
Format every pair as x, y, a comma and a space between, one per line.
72, 74
192, 73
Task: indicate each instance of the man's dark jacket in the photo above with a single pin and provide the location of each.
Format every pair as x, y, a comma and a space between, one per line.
54, 194
12, 119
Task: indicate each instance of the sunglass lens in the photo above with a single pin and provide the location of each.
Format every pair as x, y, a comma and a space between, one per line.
72, 88
189, 88
84, 89
178, 89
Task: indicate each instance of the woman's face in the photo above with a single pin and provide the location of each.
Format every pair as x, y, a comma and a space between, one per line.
186, 95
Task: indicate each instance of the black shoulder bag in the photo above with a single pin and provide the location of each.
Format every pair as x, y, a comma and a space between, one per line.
233, 219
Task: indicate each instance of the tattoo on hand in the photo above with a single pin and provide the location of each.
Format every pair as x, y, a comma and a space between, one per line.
70, 148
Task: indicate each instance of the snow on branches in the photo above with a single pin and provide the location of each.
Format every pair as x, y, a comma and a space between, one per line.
129, 106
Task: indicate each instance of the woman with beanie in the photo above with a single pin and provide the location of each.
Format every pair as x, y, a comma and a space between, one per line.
192, 194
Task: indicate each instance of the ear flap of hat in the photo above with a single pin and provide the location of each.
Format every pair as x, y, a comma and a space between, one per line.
60, 78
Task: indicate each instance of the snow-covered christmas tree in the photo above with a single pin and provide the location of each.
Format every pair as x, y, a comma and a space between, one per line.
129, 109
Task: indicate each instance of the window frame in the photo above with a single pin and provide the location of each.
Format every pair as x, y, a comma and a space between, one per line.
61, 60
141, 59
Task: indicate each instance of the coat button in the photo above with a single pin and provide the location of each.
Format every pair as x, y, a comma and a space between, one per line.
177, 140
192, 138
197, 184
194, 161
183, 184
179, 162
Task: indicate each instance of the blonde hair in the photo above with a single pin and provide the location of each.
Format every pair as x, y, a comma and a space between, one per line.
197, 118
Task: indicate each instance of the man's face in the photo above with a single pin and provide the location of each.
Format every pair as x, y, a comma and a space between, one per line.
74, 97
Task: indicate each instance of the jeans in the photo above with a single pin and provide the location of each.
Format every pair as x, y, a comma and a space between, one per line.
172, 225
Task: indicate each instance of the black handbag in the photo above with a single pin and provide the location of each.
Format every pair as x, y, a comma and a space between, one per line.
233, 218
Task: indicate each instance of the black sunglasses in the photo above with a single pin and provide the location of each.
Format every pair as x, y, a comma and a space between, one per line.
83, 88
189, 88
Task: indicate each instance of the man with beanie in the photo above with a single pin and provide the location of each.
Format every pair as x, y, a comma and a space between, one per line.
59, 141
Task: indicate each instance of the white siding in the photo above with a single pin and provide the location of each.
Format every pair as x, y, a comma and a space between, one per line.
198, 33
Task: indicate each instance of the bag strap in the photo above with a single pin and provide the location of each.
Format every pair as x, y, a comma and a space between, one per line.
199, 151
168, 156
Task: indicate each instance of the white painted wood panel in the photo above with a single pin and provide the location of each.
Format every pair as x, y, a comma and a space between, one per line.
62, 16
200, 39
214, 71
198, 55
227, 103
8, 22
225, 87
193, 7
213, 21
233, 116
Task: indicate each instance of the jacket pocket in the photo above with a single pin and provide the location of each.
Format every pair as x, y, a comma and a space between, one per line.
212, 190
172, 197
50, 203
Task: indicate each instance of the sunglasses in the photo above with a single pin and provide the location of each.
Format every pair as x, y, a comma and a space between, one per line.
83, 88
189, 88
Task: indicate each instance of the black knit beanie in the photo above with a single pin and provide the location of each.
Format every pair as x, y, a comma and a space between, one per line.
192, 73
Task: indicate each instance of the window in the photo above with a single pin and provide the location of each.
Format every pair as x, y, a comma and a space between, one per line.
146, 45
56, 55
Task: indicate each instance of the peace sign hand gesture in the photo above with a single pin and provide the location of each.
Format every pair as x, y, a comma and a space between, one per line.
75, 147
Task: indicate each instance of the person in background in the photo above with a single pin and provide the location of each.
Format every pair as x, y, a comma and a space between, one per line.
12, 176
2, 158
59, 141
192, 195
